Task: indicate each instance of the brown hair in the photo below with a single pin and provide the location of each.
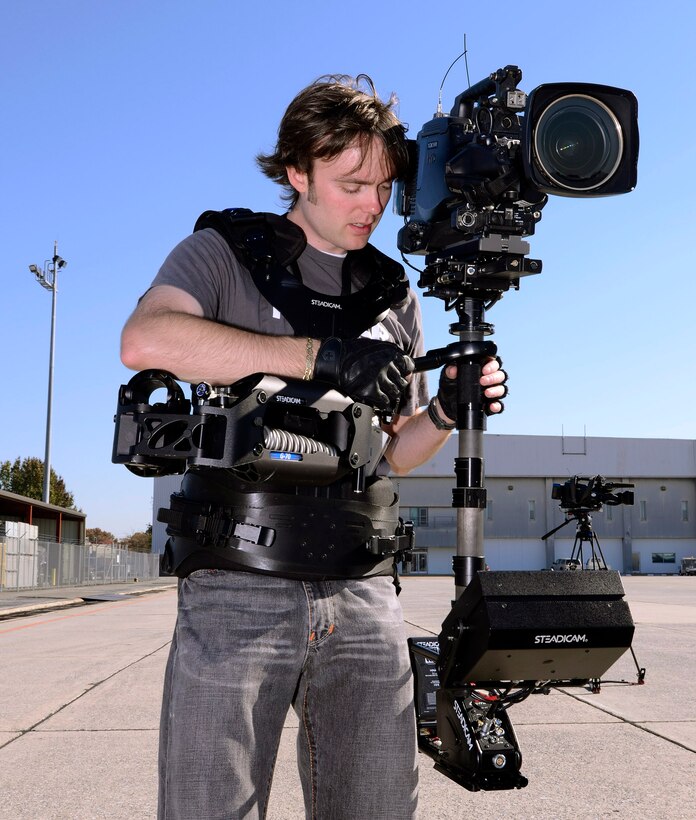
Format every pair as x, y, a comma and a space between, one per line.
327, 117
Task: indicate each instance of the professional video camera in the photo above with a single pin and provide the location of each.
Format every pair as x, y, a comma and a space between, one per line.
479, 179
484, 171
580, 492
579, 497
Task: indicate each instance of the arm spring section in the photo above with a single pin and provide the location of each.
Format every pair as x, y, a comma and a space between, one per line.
296, 443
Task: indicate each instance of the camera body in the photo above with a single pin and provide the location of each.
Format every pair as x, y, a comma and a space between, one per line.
590, 494
487, 168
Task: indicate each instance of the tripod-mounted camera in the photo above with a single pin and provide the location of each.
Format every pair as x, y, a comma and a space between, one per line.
480, 179
578, 500
579, 497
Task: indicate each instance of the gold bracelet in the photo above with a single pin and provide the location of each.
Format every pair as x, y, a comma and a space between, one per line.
309, 362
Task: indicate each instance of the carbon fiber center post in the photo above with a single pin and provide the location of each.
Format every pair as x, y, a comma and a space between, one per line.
471, 278
469, 494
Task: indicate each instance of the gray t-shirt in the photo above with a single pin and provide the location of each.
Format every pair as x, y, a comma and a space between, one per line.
204, 266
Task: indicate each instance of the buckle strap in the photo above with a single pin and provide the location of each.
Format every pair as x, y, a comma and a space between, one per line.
401, 542
211, 524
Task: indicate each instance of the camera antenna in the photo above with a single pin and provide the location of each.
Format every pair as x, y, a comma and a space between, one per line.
438, 113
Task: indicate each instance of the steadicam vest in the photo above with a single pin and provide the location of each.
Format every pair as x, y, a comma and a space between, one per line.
269, 246
219, 520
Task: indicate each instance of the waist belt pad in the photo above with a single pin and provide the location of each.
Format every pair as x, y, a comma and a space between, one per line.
213, 525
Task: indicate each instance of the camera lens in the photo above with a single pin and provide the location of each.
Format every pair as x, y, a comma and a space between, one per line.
578, 142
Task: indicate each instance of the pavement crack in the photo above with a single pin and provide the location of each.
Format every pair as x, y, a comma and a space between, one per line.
97, 731
89, 689
635, 724
422, 629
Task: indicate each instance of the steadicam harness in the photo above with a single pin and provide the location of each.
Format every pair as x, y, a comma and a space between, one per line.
298, 494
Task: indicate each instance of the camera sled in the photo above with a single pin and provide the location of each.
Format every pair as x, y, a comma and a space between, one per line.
480, 179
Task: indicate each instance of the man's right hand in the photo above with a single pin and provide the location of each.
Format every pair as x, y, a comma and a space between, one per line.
367, 370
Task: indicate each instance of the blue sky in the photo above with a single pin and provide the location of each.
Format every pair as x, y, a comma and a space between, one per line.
123, 120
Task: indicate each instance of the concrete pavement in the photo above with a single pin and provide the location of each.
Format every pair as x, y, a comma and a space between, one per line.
15, 603
79, 709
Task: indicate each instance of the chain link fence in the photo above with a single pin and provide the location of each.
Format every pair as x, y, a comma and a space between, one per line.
31, 564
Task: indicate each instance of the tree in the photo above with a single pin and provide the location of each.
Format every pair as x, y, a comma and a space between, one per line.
140, 541
25, 477
95, 535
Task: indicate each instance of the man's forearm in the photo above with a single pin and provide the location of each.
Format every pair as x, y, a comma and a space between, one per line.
416, 439
196, 349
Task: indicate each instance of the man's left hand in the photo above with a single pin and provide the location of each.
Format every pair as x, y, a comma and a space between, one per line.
493, 380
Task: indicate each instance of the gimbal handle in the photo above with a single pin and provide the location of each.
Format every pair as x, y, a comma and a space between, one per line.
441, 356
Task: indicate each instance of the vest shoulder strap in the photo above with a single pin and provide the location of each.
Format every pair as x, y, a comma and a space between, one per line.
268, 245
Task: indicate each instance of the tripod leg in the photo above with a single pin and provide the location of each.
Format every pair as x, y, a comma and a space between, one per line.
601, 564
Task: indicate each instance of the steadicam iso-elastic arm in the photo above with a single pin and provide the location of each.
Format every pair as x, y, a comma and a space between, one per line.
261, 427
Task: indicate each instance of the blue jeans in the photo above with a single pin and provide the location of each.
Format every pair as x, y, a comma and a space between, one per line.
247, 646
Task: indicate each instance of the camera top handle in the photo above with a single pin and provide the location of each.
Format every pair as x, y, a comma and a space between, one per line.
499, 83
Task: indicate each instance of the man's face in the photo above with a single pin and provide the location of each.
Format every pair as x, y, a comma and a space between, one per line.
340, 205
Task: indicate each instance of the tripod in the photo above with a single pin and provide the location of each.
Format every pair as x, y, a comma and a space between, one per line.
584, 534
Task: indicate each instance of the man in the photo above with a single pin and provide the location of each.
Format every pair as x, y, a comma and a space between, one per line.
305, 297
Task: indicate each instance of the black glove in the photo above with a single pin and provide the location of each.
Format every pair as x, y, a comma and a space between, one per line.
368, 371
447, 395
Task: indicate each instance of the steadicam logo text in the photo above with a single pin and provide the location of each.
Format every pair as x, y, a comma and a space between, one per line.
332, 305
459, 712
576, 639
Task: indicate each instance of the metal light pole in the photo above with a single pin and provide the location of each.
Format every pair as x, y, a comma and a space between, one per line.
48, 278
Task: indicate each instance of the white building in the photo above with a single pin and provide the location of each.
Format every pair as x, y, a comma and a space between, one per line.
650, 536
